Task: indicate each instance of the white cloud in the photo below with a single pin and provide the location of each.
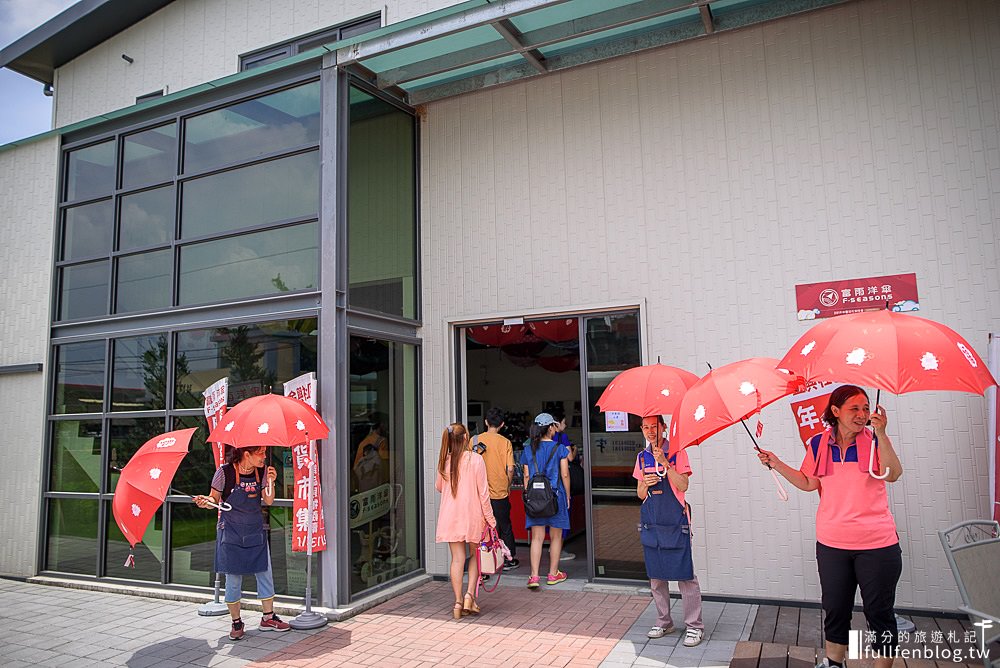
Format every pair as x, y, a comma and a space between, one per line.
19, 17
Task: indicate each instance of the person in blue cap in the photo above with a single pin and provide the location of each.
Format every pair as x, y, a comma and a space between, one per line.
544, 455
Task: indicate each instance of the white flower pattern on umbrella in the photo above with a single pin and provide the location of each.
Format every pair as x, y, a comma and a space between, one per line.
665, 391
747, 388
263, 428
699, 413
300, 425
808, 348
229, 427
857, 356
136, 510
928, 362
155, 473
166, 442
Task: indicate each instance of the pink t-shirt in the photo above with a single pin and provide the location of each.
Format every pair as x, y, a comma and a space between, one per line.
678, 461
853, 511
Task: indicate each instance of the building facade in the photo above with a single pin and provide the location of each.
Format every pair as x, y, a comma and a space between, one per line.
375, 192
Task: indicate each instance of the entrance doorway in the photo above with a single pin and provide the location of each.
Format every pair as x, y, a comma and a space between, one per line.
560, 365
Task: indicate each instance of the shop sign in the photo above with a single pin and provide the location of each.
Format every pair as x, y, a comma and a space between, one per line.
615, 421
824, 300
307, 505
369, 505
216, 400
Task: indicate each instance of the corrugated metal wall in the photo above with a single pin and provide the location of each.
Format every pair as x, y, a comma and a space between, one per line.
708, 179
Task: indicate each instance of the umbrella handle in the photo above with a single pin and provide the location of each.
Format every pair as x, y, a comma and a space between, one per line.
871, 465
222, 505
780, 489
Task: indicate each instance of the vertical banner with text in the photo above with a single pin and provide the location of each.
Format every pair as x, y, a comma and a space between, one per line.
216, 402
808, 407
993, 409
306, 467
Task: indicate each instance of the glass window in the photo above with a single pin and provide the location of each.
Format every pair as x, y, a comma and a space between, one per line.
262, 263
194, 475
255, 357
265, 193
147, 219
79, 377
125, 437
84, 290
253, 128
76, 456
90, 172
192, 544
148, 559
613, 345
144, 281
381, 207
149, 156
139, 374
72, 540
289, 568
87, 230
383, 451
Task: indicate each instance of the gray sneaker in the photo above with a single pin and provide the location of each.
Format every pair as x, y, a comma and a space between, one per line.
660, 631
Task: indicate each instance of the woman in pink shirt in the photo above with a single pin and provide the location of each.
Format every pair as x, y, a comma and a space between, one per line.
856, 540
464, 512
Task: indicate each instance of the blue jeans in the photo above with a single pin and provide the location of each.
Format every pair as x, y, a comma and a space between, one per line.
265, 584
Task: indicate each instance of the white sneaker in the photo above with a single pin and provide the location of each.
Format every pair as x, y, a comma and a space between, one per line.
693, 637
567, 556
659, 631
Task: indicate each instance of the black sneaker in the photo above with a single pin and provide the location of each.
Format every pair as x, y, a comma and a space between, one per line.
237, 631
511, 564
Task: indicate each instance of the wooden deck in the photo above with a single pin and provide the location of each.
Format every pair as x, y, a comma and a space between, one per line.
790, 637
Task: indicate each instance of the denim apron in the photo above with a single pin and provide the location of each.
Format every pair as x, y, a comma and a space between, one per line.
241, 545
664, 530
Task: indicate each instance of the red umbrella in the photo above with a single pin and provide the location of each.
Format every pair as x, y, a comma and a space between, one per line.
556, 331
498, 335
144, 483
269, 419
654, 389
728, 395
890, 351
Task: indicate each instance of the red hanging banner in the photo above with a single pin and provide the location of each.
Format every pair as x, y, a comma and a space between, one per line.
307, 508
808, 407
216, 400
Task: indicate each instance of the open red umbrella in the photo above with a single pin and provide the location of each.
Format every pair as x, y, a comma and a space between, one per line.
890, 351
269, 419
559, 330
144, 483
728, 395
654, 389
498, 335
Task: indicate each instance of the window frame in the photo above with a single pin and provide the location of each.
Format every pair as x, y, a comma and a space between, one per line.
288, 48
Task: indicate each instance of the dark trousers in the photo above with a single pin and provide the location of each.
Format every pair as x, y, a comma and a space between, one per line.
877, 572
501, 511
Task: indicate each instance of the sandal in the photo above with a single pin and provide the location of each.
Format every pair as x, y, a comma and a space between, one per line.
458, 611
470, 607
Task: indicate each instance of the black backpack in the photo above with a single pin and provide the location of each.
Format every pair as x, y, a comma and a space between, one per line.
539, 498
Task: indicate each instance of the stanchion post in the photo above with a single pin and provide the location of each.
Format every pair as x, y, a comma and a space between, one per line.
215, 607
309, 619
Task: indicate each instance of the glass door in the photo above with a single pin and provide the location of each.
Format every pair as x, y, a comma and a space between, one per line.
612, 344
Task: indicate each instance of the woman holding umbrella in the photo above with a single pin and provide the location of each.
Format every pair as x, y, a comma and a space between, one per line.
241, 547
856, 540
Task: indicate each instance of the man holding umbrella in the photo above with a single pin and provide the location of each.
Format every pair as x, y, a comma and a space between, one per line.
242, 548
665, 531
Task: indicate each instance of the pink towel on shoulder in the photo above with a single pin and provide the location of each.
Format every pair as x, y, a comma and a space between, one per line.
824, 453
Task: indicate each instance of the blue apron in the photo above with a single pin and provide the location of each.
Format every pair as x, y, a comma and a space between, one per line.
241, 543
664, 530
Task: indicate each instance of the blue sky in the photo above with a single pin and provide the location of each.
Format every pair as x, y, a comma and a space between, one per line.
24, 111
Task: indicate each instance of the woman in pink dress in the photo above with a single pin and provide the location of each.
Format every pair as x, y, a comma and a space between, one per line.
464, 512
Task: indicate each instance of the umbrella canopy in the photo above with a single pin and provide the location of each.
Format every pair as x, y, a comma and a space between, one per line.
890, 351
269, 419
654, 389
727, 395
498, 335
145, 480
555, 331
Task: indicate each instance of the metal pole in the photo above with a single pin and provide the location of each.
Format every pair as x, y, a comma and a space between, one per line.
215, 607
309, 619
